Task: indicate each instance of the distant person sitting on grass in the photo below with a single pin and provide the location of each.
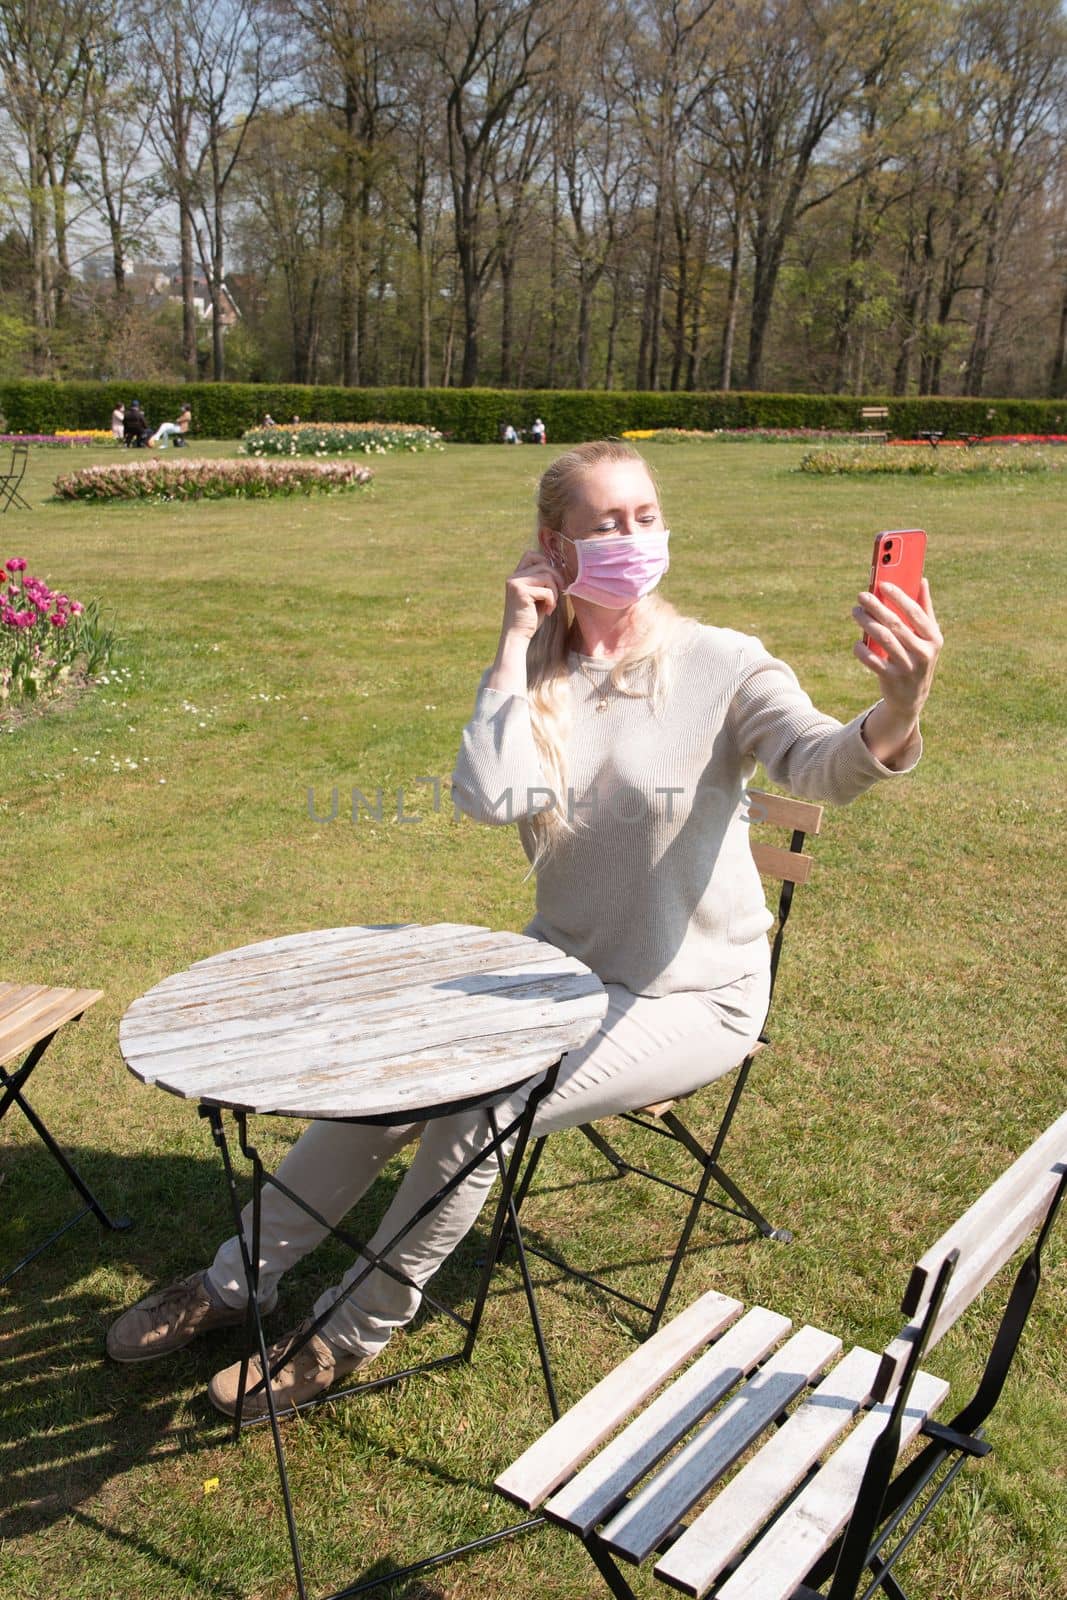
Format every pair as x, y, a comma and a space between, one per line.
268, 421
185, 422
620, 736
537, 432
118, 423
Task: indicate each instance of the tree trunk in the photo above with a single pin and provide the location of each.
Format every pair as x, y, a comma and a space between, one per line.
218, 352
851, 300
553, 283
62, 276
585, 325
613, 330
507, 312
347, 318
450, 339
733, 308
1057, 383
983, 327
185, 229
763, 287
681, 304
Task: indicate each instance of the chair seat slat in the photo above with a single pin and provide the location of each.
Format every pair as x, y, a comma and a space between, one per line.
553, 1457
41, 1016
599, 1488
650, 1515
721, 1531
976, 1222
810, 1524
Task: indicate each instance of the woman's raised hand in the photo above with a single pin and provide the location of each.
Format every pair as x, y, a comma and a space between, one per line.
912, 644
531, 594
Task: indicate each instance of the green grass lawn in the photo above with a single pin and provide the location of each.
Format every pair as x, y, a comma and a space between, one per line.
280, 647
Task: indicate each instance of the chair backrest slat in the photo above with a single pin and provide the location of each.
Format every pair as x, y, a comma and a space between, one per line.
782, 811
788, 866
971, 1233
985, 1238
969, 1279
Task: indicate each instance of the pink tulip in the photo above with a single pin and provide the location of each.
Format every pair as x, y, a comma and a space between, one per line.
58, 619
16, 564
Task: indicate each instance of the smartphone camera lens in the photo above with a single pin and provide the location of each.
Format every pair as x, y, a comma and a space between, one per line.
886, 558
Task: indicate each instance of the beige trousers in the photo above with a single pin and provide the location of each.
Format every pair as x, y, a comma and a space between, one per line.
646, 1049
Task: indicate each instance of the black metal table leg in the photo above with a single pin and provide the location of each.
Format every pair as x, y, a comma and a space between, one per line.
252, 1280
510, 1168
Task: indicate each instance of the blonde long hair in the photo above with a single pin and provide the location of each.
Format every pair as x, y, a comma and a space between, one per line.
547, 670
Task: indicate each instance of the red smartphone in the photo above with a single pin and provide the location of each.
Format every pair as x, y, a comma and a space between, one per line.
898, 558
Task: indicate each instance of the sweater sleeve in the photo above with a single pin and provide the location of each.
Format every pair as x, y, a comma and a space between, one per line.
811, 754
497, 776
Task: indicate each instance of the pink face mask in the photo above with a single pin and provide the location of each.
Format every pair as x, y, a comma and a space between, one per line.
620, 568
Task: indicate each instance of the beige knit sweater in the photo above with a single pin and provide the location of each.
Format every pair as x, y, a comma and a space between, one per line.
658, 891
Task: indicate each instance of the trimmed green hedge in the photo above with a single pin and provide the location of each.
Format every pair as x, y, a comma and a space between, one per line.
476, 416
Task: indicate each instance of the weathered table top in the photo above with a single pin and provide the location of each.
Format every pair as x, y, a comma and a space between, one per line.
360, 1022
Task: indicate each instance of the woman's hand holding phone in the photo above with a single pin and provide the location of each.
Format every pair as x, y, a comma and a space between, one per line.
900, 645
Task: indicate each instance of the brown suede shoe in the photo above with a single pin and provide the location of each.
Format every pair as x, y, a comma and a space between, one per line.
170, 1319
311, 1372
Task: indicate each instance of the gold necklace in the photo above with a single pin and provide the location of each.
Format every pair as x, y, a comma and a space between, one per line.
600, 690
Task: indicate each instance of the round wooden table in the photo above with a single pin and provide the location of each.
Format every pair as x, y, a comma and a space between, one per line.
387, 1024
382, 1023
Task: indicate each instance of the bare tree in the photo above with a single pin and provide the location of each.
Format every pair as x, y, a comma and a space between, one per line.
120, 108
45, 58
491, 55
354, 46
1018, 51
665, 77
591, 134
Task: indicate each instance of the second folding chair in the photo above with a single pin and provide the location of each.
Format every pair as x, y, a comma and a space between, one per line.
11, 480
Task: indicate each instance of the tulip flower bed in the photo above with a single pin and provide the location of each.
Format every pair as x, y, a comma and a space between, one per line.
738, 435
45, 637
923, 462
338, 439
209, 480
59, 440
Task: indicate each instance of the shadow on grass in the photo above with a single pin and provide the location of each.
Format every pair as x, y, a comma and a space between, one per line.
73, 1421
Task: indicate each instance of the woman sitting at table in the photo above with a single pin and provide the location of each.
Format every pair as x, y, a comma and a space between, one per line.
600, 693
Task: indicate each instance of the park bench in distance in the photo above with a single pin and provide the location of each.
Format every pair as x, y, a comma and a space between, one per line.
869, 414
847, 1506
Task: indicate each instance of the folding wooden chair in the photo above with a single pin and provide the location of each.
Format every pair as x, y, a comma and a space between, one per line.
787, 866
819, 1498
30, 1018
11, 480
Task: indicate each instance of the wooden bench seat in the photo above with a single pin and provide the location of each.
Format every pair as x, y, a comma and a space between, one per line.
664, 1431
31, 1015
